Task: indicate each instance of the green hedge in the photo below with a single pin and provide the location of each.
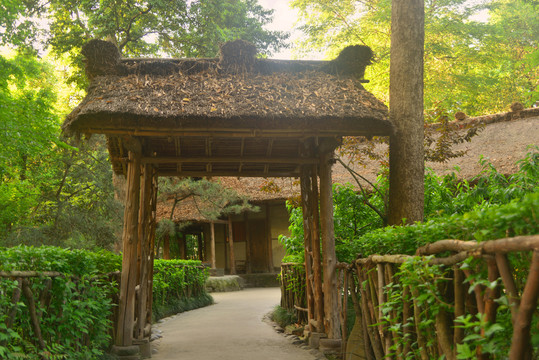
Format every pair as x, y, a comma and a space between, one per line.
178, 286
76, 320
518, 217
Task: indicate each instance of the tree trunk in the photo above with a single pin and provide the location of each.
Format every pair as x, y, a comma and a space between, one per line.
406, 154
124, 331
305, 185
331, 304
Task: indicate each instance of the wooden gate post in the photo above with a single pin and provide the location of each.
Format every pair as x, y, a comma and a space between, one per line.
143, 326
331, 299
305, 185
126, 311
317, 261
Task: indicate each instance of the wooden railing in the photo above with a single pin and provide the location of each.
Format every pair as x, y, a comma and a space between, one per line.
419, 306
293, 290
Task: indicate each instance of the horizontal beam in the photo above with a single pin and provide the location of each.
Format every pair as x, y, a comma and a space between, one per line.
223, 160
229, 173
239, 133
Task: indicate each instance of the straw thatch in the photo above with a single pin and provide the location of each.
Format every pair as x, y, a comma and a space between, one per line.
235, 115
164, 93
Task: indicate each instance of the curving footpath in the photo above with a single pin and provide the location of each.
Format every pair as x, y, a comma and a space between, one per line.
232, 329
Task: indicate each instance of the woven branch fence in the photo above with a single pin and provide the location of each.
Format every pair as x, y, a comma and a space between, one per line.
35, 291
293, 296
424, 306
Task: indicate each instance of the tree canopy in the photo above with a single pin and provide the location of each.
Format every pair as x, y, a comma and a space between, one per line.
476, 64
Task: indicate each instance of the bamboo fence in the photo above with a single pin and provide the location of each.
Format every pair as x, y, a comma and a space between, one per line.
407, 327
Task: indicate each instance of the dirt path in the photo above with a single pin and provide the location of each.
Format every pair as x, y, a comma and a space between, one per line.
232, 329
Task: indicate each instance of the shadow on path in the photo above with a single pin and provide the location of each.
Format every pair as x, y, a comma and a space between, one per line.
232, 329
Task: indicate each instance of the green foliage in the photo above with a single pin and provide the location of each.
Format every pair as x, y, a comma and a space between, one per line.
50, 192
489, 206
177, 28
470, 65
178, 285
75, 322
431, 291
283, 317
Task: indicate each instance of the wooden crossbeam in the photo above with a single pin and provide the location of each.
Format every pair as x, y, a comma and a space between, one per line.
223, 159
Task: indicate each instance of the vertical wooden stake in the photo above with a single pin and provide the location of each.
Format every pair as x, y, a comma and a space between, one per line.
520, 344
328, 247
305, 185
231, 246
145, 242
126, 311
317, 261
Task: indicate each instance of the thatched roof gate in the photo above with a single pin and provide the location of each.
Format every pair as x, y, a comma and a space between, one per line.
235, 115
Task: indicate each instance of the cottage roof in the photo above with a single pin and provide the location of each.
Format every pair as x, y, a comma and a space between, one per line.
235, 115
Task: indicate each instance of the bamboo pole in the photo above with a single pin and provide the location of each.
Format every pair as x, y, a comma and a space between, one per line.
369, 317
509, 282
460, 299
124, 331
406, 314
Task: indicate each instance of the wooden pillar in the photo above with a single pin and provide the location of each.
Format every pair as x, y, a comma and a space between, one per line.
144, 255
153, 225
212, 246
331, 301
248, 267
306, 205
317, 261
231, 245
268, 239
126, 311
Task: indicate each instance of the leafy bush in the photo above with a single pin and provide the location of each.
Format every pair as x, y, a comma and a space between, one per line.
76, 320
519, 217
283, 317
453, 208
76, 310
178, 285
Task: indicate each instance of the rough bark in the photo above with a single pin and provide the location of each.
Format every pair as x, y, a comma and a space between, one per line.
124, 331
520, 345
406, 154
328, 248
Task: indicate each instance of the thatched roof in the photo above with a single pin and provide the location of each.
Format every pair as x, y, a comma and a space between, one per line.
248, 108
